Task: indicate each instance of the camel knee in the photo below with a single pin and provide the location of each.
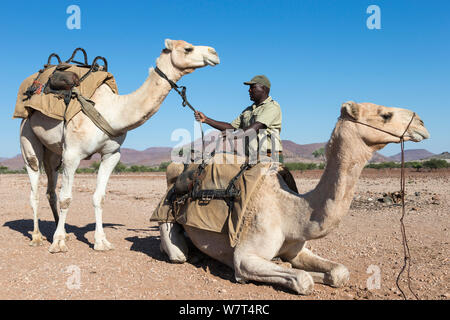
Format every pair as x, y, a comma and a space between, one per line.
98, 199
34, 196
173, 171
51, 196
64, 204
33, 163
173, 242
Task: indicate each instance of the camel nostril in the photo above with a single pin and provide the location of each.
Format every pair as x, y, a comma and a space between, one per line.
212, 51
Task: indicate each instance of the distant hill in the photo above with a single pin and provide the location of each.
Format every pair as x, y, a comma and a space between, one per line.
292, 152
378, 157
444, 155
413, 155
150, 157
15, 163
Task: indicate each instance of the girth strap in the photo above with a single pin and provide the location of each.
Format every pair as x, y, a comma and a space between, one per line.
206, 195
88, 108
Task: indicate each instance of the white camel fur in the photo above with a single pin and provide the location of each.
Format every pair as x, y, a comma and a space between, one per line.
283, 220
41, 137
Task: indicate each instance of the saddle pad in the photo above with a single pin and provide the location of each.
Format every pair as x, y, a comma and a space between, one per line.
214, 215
53, 106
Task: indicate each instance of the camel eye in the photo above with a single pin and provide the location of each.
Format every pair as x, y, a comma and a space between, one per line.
188, 49
387, 116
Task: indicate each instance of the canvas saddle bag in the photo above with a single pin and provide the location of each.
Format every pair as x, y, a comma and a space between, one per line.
216, 197
61, 91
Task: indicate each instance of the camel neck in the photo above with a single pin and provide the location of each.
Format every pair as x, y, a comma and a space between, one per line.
330, 200
134, 109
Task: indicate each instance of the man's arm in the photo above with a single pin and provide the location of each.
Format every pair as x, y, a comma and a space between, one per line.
219, 125
222, 126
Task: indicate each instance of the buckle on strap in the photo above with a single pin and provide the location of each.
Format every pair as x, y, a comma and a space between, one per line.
207, 196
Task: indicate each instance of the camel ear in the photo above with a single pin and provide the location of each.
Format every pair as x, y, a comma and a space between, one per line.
168, 44
350, 108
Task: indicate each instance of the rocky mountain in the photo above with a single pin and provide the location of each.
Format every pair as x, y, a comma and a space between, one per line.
413, 155
294, 152
15, 163
444, 156
153, 156
150, 157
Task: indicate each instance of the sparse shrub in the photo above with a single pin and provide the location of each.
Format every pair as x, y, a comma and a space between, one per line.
163, 166
95, 165
120, 167
300, 166
435, 164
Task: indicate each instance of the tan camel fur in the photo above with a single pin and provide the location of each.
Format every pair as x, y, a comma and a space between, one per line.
284, 221
42, 141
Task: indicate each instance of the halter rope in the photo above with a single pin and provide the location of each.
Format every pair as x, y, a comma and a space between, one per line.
406, 252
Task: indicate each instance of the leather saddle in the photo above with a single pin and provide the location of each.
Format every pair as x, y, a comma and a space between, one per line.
61, 82
186, 180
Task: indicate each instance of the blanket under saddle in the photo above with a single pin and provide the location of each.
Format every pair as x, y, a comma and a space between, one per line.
215, 215
53, 106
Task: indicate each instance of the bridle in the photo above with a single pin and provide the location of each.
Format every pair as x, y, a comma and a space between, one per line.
185, 103
177, 88
407, 255
401, 137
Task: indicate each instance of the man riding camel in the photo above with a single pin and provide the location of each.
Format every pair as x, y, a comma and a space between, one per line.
263, 118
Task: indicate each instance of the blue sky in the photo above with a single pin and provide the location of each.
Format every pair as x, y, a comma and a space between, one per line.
316, 53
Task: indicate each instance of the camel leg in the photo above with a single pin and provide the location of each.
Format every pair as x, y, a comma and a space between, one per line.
254, 267
70, 164
32, 153
107, 165
173, 242
322, 270
51, 163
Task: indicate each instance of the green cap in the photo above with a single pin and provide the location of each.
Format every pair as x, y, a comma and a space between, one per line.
261, 79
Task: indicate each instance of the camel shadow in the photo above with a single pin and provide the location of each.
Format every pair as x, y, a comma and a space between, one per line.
150, 246
47, 228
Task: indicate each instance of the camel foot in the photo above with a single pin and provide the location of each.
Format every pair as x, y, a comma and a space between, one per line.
37, 239
337, 277
174, 253
103, 245
239, 279
304, 283
58, 245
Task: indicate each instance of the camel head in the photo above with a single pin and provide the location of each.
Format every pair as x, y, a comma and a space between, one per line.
186, 57
392, 120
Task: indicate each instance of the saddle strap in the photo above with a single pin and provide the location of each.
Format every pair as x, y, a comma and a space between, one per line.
87, 106
207, 195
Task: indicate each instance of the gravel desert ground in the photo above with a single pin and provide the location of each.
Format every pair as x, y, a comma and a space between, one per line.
368, 242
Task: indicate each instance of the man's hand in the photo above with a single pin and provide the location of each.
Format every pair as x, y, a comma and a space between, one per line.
200, 117
219, 125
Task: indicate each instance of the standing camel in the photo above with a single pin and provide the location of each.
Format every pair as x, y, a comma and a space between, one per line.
282, 221
43, 140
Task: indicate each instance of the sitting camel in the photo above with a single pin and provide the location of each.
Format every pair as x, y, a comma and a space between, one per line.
42, 141
283, 220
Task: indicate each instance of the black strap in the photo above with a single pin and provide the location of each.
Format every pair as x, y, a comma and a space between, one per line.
229, 194
185, 103
176, 88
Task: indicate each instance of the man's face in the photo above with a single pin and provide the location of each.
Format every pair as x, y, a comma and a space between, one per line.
257, 92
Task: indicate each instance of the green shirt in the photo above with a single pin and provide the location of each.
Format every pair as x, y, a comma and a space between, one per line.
267, 113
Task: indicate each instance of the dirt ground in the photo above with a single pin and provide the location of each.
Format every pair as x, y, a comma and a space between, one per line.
368, 242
